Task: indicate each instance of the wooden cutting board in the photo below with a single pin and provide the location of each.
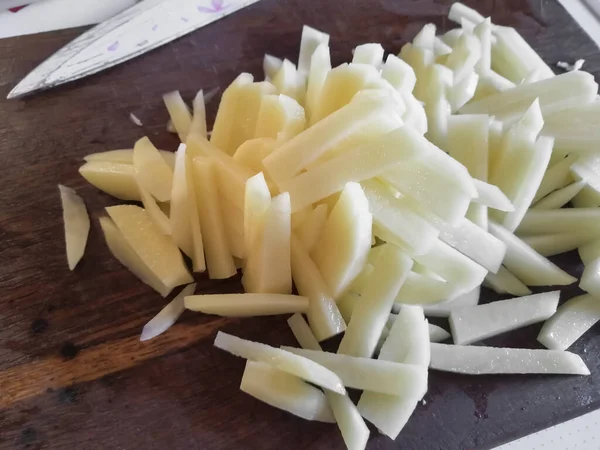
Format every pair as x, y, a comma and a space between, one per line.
72, 372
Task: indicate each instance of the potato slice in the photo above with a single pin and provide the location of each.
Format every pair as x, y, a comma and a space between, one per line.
157, 251
570, 322
271, 64
420, 60
157, 215
310, 230
342, 249
320, 65
126, 255
282, 360
116, 179
399, 74
288, 82
303, 333
556, 177
504, 282
370, 314
540, 221
528, 265
369, 374
425, 38
198, 124
371, 54
268, 268
590, 278
352, 426
286, 392
219, 260
311, 39
279, 117
297, 153
491, 196
233, 220
444, 309
475, 323
464, 57
468, 137
551, 92
557, 243
419, 289
479, 360
77, 224
323, 315
167, 316
180, 114
258, 199
247, 305
153, 172
397, 219
252, 152
590, 251
125, 156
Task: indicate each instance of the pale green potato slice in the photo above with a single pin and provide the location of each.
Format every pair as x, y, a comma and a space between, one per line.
246, 305
352, 426
504, 282
557, 176
271, 64
419, 289
342, 249
116, 179
368, 374
76, 224
180, 114
303, 333
444, 308
219, 260
323, 314
285, 391
399, 74
258, 199
590, 278
570, 322
589, 251
309, 42
479, 360
492, 196
371, 54
528, 265
370, 314
124, 252
268, 267
152, 172
296, 154
557, 243
540, 221
475, 323
285, 361
560, 197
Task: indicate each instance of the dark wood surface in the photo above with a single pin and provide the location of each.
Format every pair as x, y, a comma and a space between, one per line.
72, 372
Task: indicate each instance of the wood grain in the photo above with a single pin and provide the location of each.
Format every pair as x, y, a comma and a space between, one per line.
72, 372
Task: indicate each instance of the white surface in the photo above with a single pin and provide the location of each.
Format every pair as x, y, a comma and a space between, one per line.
577, 434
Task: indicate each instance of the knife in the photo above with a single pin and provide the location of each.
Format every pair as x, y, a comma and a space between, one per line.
135, 31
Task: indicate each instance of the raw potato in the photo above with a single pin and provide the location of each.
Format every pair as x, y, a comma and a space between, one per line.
419, 289
320, 65
127, 256
504, 282
444, 309
299, 152
247, 305
167, 316
491, 196
309, 231
158, 216
371, 54
352, 426
288, 82
570, 322
528, 265
584, 220
181, 117
475, 323
341, 252
399, 74
258, 199
370, 314
479, 360
555, 244
279, 117
323, 314
556, 177
282, 360
252, 152
590, 278
116, 179
219, 260
76, 224
371, 374
198, 125
125, 156
157, 251
268, 268
311, 40
271, 64
152, 172
561, 197
589, 252
284, 391
303, 333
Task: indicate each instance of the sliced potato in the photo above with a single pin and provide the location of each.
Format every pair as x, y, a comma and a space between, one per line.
371, 54
285, 391
198, 124
181, 117
309, 231
311, 39
247, 305
116, 179
157, 215
167, 316
399, 74
504, 282
152, 172
303, 333
444, 309
279, 117
352, 426
77, 224
258, 199
320, 65
557, 243
271, 64
252, 152
125, 156
287, 81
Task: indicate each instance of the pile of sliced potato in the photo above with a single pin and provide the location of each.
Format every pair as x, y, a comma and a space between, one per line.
385, 191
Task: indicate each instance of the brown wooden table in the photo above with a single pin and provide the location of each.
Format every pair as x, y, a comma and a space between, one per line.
72, 372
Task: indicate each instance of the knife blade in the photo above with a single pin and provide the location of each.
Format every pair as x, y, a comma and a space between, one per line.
135, 31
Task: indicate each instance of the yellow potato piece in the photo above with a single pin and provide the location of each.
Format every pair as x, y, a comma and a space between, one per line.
125, 156
153, 172
157, 215
341, 84
156, 250
198, 124
127, 256
309, 231
233, 219
279, 117
77, 224
252, 152
311, 39
320, 65
216, 247
342, 249
116, 179
288, 82
258, 199
181, 117
247, 305
268, 267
